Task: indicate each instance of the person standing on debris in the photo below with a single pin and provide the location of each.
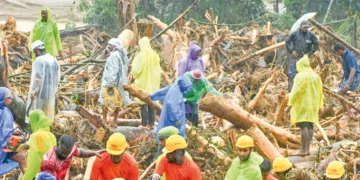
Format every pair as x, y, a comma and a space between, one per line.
115, 162
41, 140
335, 171
46, 30
57, 160
175, 164
8, 160
305, 99
173, 110
247, 165
299, 43
351, 79
45, 77
200, 86
146, 71
112, 94
192, 61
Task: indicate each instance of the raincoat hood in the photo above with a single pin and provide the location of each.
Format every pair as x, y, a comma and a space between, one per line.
184, 84
303, 65
3, 92
6, 126
144, 43
38, 120
193, 51
48, 14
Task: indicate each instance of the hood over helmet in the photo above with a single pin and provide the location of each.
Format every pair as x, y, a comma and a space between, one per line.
193, 51
38, 120
184, 84
303, 65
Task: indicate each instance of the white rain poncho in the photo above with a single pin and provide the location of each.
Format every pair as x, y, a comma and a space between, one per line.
116, 74
45, 77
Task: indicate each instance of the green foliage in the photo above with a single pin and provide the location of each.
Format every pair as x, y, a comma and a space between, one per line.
283, 21
70, 25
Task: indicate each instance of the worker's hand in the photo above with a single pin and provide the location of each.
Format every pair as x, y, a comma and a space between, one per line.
155, 177
294, 54
98, 153
344, 90
32, 96
177, 123
130, 78
23, 147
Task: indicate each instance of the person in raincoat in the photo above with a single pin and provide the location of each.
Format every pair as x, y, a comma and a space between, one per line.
192, 61
173, 110
41, 140
247, 165
146, 71
306, 99
46, 30
45, 77
8, 160
200, 86
112, 94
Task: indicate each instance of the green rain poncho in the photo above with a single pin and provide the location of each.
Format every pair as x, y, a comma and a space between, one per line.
306, 96
48, 33
146, 68
198, 89
41, 140
249, 170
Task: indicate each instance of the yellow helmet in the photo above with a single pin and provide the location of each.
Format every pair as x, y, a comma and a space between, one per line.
116, 144
281, 164
335, 170
245, 142
174, 143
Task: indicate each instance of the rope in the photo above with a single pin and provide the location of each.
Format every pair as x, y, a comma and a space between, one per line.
114, 100
241, 24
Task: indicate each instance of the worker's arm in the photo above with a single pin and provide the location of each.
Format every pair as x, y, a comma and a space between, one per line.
315, 45
160, 94
210, 89
349, 81
37, 77
289, 42
87, 153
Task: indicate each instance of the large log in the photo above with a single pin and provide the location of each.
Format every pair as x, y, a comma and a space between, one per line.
335, 36
143, 97
253, 103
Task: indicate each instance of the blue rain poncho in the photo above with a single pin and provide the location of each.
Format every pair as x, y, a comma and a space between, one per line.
45, 77
7, 130
173, 105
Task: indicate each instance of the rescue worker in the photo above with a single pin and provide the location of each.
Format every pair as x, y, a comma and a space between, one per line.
146, 71
40, 141
335, 171
285, 171
115, 75
57, 160
200, 86
175, 164
306, 99
265, 168
193, 60
9, 160
115, 162
45, 29
45, 77
298, 44
351, 79
247, 165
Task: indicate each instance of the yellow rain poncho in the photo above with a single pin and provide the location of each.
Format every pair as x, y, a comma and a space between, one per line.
48, 33
306, 96
41, 140
146, 68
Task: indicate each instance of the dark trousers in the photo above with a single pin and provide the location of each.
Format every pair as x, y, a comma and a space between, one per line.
147, 115
194, 115
291, 73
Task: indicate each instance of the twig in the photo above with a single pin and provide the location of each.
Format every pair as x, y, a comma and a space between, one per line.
341, 99
18, 83
241, 24
147, 170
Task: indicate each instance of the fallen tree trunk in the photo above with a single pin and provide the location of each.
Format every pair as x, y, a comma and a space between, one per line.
335, 36
143, 97
280, 109
262, 51
342, 99
163, 26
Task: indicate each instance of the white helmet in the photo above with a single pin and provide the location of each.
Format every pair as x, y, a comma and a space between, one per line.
37, 45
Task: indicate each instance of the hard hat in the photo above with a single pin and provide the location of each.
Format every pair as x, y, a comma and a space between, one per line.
196, 74
37, 45
174, 143
168, 131
335, 170
245, 141
281, 164
116, 144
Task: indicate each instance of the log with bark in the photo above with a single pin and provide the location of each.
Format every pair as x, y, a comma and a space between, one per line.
352, 105
280, 109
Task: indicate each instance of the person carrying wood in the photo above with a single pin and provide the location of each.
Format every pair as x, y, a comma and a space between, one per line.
175, 164
45, 77
192, 61
112, 94
146, 71
200, 86
115, 162
305, 99
57, 160
45, 29
335, 171
351, 78
298, 44
40, 141
247, 165
284, 170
